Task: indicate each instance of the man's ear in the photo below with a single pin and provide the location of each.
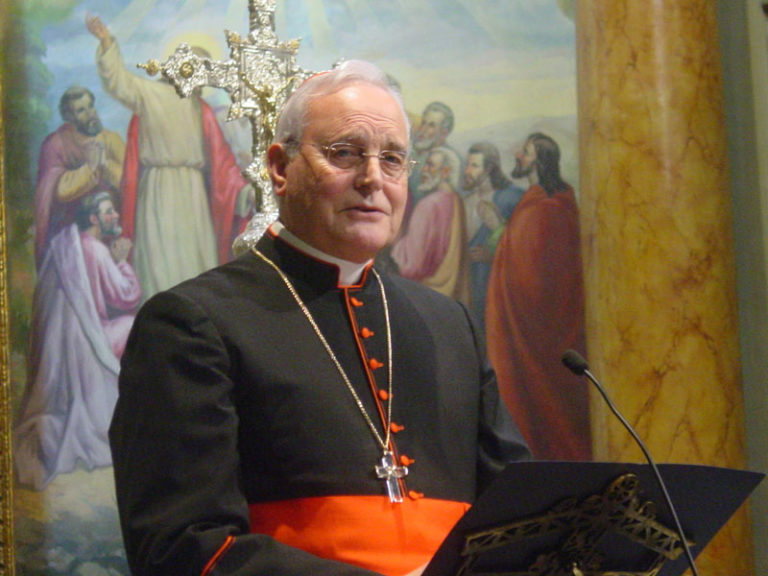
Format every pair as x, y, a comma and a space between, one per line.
277, 166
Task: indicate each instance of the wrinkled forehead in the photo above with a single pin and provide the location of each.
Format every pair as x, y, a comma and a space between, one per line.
360, 106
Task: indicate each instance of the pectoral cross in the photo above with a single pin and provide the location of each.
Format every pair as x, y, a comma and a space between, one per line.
390, 473
259, 76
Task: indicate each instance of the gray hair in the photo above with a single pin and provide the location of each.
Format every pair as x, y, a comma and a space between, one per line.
445, 110
293, 117
89, 206
452, 160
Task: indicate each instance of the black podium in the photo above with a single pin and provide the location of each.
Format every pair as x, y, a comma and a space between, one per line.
590, 519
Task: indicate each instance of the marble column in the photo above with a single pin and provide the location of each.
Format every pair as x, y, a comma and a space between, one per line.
657, 241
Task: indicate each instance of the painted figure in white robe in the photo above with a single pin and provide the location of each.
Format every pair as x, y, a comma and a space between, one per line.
184, 199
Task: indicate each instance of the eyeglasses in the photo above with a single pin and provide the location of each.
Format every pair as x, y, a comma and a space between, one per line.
347, 156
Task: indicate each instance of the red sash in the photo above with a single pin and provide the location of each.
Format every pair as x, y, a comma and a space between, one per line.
368, 531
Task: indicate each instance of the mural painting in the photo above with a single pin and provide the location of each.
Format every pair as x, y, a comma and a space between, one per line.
116, 189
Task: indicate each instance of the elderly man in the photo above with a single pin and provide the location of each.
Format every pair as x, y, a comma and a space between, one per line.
295, 411
81, 157
434, 249
436, 125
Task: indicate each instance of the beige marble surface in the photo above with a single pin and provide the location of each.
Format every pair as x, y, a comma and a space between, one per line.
657, 238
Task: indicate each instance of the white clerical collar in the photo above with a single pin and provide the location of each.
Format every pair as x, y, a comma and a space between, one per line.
349, 272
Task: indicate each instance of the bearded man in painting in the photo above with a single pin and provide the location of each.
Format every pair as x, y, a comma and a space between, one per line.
81, 157
535, 308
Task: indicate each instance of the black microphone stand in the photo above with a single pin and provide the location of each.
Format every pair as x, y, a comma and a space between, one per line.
578, 365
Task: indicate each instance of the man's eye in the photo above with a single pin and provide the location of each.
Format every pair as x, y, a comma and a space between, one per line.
345, 152
393, 158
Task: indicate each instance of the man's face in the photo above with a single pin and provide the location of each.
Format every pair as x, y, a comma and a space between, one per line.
431, 172
84, 116
108, 219
431, 132
354, 213
474, 172
525, 161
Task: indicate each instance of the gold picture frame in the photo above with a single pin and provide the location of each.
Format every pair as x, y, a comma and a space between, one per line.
6, 477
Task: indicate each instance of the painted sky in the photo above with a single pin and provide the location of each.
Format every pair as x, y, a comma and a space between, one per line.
498, 63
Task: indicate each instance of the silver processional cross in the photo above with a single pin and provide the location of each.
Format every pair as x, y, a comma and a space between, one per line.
259, 76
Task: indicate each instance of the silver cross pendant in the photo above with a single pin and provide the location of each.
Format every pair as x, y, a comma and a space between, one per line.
390, 472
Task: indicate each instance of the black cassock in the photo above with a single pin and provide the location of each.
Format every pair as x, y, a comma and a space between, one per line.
232, 417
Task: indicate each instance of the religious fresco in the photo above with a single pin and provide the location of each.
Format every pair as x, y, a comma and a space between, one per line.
477, 78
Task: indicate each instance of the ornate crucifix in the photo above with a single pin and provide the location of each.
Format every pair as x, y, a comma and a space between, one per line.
260, 74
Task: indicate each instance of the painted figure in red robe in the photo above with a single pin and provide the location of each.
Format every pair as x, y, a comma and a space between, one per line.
535, 309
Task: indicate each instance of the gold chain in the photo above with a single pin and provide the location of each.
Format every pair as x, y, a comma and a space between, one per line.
383, 442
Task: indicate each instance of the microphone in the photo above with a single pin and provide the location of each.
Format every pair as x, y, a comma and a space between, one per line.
576, 363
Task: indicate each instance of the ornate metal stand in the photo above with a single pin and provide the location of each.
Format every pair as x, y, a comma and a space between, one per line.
582, 527
259, 76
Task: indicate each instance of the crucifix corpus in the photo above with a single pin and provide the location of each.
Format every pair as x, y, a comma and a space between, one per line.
259, 76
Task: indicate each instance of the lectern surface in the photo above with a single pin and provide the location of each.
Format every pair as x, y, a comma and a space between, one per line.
536, 509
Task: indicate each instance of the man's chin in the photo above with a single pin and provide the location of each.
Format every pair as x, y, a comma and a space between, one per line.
92, 129
519, 172
427, 188
364, 242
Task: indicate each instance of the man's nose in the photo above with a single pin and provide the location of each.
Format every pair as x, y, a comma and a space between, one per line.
370, 173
